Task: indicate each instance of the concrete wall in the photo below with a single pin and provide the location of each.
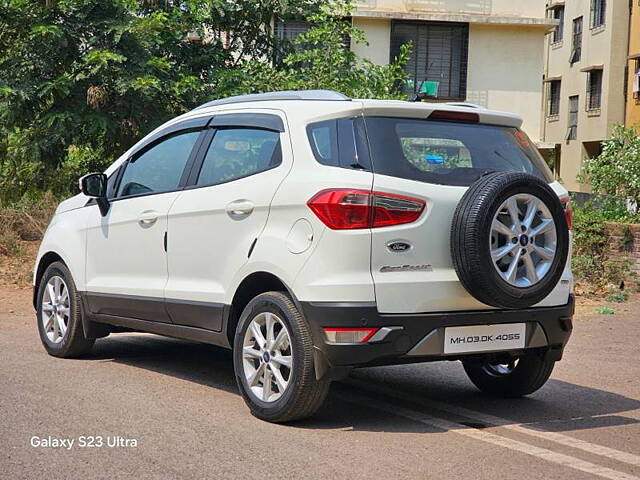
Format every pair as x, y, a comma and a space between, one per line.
506, 59
633, 104
603, 46
505, 70
378, 33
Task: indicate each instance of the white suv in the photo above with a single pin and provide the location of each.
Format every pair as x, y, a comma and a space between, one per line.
313, 233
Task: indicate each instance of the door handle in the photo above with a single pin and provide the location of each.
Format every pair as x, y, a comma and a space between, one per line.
148, 218
240, 209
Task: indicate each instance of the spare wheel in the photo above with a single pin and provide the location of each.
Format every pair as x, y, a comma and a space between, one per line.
509, 240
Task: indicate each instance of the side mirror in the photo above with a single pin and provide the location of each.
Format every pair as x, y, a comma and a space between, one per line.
94, 185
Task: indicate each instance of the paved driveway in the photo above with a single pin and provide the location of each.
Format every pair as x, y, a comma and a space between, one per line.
178, 403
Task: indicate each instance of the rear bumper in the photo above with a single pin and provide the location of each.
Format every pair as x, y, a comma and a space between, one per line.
420, 337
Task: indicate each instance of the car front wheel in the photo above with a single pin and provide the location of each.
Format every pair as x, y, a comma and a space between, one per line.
59, 314
273, 360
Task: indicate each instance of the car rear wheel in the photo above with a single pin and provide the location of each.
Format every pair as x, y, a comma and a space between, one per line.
273, 360
59, 314
510, 378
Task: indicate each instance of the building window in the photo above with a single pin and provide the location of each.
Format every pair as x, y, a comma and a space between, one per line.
558, 14
557, 164
635, 86
594, 90
572, 131
288, 30
598, 12
576, 44
553, 109
438, 63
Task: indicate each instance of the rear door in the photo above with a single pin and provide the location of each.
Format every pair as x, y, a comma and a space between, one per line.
218, 217
435, 161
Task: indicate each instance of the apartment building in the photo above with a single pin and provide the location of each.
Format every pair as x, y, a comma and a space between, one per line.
488, 52
633, 69
585, 61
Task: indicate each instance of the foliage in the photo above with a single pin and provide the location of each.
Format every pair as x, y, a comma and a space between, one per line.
605, 310
319, 59
616, 171
610, 209
617, 296
82, 80
24, 221
592, 263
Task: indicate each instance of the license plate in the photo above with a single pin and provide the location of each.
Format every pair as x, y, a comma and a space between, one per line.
484, 338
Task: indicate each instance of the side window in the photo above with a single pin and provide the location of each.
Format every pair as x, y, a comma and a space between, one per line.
239, 152
160, 168
339, 143
324, 142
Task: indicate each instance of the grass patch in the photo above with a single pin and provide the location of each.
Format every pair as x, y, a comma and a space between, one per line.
605, 310
619, 296
22, 226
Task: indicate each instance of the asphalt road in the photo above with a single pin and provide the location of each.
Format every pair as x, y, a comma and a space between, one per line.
179, 402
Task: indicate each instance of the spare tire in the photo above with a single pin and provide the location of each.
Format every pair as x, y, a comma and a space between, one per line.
509, 240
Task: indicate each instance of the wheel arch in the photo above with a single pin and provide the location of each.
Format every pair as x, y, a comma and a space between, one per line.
252, 285
45, 260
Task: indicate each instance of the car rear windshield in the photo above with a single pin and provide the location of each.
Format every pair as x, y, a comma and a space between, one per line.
449, 153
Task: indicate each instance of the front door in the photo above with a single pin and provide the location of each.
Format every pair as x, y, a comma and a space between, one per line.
126, 258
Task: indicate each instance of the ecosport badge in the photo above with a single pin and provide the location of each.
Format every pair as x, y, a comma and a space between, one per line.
407, 268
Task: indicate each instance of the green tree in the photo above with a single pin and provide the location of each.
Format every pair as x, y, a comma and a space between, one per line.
616, 171
82, 80
321, 58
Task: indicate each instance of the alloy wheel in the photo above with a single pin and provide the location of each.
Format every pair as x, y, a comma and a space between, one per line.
56, 309
523, 240
500, 369
267, 357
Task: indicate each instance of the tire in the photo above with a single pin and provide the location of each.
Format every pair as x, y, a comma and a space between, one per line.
71, 343
303, 394
529, 374
474, 237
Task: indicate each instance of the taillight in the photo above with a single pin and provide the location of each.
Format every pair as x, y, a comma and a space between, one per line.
568, 212
346, 209
390, 209
342, 209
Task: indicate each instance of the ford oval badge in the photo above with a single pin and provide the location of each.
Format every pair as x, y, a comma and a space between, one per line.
398, 246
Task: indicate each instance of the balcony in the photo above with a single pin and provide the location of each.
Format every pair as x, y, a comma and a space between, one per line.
472, 7
523, 12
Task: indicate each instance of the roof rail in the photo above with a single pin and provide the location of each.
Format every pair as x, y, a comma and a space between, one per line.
463, 104
283, 95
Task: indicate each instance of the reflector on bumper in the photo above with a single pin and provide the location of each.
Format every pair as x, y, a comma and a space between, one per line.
349, 335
